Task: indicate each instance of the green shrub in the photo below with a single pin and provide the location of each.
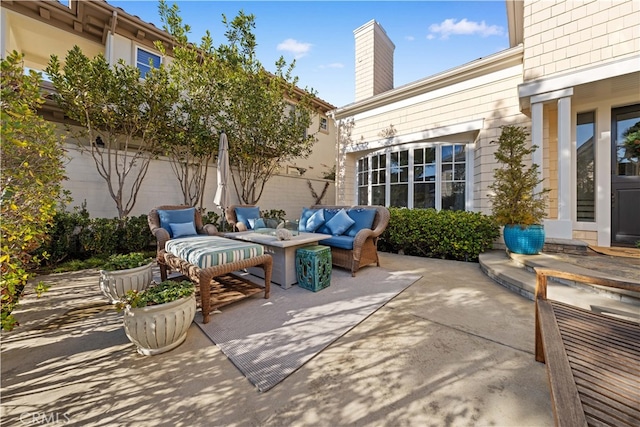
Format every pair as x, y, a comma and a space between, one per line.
32, 165
63, 238
278, 214
136, 235
102, 236
456, 235
75, 236
212, 218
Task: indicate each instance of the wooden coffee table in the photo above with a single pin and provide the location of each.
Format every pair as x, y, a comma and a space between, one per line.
283, 253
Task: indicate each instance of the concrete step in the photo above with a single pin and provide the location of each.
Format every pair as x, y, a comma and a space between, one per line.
515, 272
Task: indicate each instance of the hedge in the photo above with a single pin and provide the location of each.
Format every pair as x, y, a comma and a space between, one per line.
455, 235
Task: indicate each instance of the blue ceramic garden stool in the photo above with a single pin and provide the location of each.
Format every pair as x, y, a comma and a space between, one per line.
313, 267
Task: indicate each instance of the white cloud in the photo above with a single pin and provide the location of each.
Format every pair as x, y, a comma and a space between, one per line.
333, 65
409, 38
298, 49
463, 27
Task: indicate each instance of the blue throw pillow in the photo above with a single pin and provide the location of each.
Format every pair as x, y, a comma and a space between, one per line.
304, 217
245, 214
340, 223
183, 229
363, 219
175, 216
328, 214
316, 220
257, 223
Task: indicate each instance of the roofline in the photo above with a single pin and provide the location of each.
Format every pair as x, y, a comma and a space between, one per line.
515, 21
481, 66
105, 18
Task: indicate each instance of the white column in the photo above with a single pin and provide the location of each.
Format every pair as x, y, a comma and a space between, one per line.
564, 159
562, 227
537, 119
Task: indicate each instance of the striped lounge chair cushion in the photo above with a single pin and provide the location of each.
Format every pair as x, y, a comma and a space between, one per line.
209, 251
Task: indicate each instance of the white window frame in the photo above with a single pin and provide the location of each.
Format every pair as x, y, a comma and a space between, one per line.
469, 154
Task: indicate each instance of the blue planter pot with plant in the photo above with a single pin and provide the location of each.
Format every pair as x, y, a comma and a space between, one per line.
516, 203
527, 240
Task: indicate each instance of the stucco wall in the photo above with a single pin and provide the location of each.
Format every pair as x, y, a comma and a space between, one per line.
161, 187
562, 36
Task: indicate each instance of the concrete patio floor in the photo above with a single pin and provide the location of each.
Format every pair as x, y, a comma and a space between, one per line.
454, 349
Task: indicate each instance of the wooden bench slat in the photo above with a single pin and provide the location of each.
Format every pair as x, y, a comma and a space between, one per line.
583, 374
600, 352
604, 416
564, 393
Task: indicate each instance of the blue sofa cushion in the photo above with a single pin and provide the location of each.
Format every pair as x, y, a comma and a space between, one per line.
343, 242
363, 219
183, 229
175, 216
340, 223
328, 215
244, 214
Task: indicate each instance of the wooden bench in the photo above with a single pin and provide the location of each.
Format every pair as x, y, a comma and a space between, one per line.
593, 360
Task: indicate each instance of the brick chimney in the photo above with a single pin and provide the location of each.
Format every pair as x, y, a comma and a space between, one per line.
374, 61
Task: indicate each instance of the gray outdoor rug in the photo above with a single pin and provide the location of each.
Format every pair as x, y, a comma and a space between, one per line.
267, 340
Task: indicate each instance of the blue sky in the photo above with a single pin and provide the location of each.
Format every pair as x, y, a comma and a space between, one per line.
430, 36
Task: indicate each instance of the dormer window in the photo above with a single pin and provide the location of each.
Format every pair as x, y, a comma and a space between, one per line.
146, 60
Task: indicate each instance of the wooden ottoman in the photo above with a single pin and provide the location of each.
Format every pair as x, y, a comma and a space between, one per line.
313, 267
202, 258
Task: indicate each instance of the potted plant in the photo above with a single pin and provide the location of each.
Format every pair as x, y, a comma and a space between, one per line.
122, 273
156, 319
516, 204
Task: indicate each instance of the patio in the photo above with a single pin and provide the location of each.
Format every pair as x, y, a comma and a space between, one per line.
453, 349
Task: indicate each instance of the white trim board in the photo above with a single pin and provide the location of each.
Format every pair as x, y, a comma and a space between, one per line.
439, 132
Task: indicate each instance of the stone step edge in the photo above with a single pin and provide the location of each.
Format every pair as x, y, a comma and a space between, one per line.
519, 276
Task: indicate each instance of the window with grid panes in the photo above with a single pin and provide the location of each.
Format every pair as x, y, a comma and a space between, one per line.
363, 181
378, 179
453, 177
422, 176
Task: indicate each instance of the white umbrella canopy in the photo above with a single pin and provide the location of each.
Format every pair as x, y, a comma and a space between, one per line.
221, 198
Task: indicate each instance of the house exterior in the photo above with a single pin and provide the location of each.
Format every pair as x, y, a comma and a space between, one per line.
39, 29
571, 76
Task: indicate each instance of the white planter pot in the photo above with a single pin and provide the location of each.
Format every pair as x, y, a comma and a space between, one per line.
115, 284
159, 328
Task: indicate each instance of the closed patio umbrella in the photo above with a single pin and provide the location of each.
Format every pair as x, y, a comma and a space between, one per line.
221, 198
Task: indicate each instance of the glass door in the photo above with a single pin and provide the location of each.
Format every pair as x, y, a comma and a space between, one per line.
625, 175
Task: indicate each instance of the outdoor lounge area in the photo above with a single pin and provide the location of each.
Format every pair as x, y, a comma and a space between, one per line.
454, 348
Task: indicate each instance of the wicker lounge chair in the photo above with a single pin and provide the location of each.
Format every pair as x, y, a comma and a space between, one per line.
212, 294
162, 235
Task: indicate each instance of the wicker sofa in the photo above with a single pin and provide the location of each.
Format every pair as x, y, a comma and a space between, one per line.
354, 252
